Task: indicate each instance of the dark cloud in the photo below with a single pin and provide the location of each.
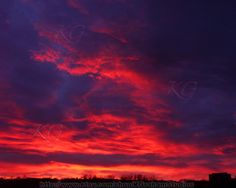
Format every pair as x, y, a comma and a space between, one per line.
146, 76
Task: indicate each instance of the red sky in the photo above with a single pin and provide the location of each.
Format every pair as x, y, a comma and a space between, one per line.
116, 87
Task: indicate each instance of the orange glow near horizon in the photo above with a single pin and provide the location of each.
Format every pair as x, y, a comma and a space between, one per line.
107, 88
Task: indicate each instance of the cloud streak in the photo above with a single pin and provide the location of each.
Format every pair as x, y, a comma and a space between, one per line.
116, 87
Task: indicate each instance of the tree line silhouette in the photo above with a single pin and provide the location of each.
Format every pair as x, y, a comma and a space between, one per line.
217, 180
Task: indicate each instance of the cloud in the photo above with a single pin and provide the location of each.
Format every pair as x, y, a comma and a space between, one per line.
87, 87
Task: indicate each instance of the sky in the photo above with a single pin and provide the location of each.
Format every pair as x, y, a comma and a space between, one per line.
117, 87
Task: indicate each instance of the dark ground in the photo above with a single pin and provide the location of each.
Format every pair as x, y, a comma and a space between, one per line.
96, 182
